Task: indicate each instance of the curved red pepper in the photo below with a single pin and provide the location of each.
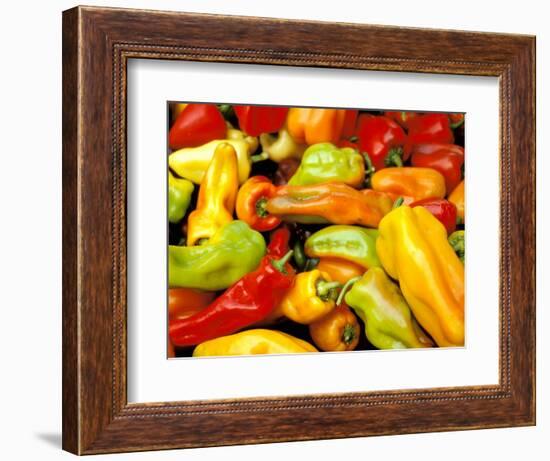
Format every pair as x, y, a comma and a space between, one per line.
442, 209
448, 159
382, 139
197, 124
278, 244
248, 301
255, 120
429, 128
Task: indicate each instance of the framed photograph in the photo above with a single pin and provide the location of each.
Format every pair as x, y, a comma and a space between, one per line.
270, 234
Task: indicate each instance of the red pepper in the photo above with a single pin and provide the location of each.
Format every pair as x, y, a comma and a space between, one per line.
350, 122
197, 124
448, 159
248, 301
278, 244
382, 139
255, 120
429, 128
403, 118
442, 209
251, 203
456, 119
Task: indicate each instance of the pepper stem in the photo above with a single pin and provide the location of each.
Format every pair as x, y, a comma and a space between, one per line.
398, 202
394, 157
261, 210
326, 290
279, 264
348, 335
369, 169
259, 157
345, 288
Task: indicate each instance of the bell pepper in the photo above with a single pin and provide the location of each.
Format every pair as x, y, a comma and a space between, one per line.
429, 128
238, 135
442, 209
401, 117
197, 124
448, 159
310, 297
253, 342
330, 202
457, 198
281, 147
217, 195
184, 302
255, 120
191, 162
389, 323
413, 248
179, 197
231, 252
312, 126
351, 243
337, 331
340, 269
457, 241
382, 139
248, 301
410, 181
251, 203
324, 162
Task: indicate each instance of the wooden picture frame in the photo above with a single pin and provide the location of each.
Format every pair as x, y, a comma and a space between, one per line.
97, 43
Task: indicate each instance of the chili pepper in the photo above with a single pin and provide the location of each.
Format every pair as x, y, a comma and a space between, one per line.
191, 162
253, 342
383, 140
337, 331
351, 243
238, 135
281, 147
457, 241
217, 196
251, 203
410, 181
312, 126
413, 248
456, 119
324, 162
429, 128
340, 269
330, 202
402, 117
442, 209
310, 297
255, 120
231, 252
179, 197
285, 170
197, 124
184, 302
389, 323
278, 243
457, 198
246, 302
448, 159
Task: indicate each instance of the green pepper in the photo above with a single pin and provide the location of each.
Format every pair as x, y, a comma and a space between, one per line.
352, 243
324, 162
233, 251
389, 323
456, 240
179, 196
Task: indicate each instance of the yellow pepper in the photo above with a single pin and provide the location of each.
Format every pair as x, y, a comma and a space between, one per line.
281, 147
311, 296
457, 199
217, 196
413, 248
252, 342
237, 135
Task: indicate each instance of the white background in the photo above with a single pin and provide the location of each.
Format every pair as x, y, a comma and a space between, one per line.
30, 186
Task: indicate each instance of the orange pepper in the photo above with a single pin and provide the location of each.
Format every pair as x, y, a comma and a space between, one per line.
311, 126
339, 269
407, 200
337, 331
457, 199
184, 302
414, 182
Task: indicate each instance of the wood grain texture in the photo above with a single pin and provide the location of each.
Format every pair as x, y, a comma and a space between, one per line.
97, 43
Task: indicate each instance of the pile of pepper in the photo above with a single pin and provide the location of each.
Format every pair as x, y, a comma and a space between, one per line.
298, 230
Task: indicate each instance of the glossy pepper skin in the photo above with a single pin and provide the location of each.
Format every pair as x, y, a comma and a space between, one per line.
402, 117
340, 269
184, 302
312, 126
253, 342
248, 301
281, 147
413, 248
457, 198
329, 202
192, 162
442, 209
351, 243
337, 331
457, 241
447, 159
383, 140
410, 181
195, 125
217, 195
255, 120
252, 201
389, 323
233, 251
311, 296
324, 162
429, 128
237, 135
179, 197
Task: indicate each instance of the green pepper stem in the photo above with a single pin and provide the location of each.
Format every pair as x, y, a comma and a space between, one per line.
279, 264
456, 124
394, 157
261, 210
398, 202
345, 288
348, 335
259, 157
326, 289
